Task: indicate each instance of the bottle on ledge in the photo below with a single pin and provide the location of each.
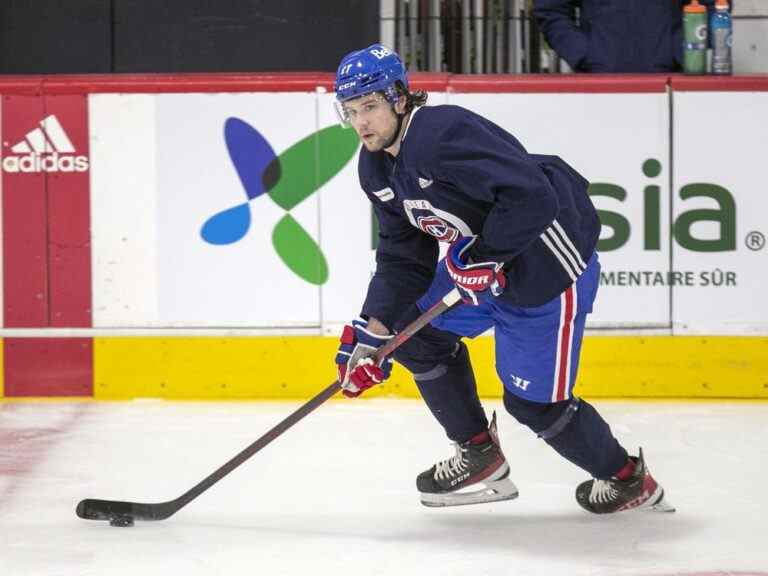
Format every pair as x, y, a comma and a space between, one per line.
721, 28
694, 38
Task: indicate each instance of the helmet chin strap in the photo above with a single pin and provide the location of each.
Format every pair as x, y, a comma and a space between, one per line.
400, 118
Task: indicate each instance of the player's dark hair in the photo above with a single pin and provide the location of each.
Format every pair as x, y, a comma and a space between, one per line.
412, 99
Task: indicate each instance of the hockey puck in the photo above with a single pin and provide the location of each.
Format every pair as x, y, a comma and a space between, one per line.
121, 521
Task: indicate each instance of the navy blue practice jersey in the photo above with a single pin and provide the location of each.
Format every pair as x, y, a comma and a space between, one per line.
459, 174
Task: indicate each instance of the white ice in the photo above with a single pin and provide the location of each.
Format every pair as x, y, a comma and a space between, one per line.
336, 494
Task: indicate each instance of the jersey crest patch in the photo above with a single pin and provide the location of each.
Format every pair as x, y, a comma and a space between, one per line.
438, 228
441, 224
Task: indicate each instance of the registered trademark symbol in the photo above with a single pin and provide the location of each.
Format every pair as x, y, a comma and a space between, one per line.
755, 240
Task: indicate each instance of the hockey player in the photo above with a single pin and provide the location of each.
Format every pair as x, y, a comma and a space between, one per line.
521, 233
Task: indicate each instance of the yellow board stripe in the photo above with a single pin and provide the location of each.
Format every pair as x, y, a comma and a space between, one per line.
300, 366
211, 367
675, 366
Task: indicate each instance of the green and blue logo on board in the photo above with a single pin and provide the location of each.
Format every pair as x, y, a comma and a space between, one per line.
288, 179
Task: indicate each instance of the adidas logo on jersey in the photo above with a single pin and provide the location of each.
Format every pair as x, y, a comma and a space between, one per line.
45, 149
424, 183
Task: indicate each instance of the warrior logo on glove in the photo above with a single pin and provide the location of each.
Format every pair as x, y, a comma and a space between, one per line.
476, 281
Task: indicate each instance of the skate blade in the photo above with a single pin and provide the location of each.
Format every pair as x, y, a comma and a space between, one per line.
493, 492
661, 506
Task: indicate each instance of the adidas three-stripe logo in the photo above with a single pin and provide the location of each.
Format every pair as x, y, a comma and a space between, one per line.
46, 148
50, 137
561, 246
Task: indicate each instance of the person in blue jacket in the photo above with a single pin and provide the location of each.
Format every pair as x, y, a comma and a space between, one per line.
615, 35
520, 232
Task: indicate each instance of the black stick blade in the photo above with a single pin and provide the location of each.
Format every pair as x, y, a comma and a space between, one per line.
91, 509
102, 509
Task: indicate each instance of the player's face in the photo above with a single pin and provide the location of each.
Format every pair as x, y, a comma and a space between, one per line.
373, 119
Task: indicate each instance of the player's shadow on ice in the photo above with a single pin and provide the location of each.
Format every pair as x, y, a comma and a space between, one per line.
573, 534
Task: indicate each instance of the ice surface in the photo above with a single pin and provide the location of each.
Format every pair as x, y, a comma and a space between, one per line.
336, 494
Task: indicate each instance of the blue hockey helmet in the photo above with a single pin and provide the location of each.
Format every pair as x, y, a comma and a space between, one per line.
373, 69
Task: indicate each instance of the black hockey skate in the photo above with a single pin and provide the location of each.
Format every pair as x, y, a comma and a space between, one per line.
639, 491
477, 473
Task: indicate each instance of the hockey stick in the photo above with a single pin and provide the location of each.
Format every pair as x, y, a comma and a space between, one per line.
121, 513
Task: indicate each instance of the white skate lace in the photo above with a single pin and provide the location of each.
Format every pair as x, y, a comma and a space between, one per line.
602, 491
452, 466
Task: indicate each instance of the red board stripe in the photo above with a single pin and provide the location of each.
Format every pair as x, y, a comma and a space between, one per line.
559, 83
68, 192
167, 83
25, 242
174, 83
720, 84
310, 81
48, 367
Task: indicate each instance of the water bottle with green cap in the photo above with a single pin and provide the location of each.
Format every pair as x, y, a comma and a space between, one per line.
694, 38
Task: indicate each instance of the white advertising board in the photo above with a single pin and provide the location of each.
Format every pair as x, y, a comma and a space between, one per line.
123, 210
205, 212
219, 160
721, 212
245, 211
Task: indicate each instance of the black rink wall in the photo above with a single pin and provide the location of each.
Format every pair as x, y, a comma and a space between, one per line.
102, 36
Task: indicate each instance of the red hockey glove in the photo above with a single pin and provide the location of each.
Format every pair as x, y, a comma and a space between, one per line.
477, 282
356, 368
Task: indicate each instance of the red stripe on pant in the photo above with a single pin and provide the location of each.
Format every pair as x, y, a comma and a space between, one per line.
565, 345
